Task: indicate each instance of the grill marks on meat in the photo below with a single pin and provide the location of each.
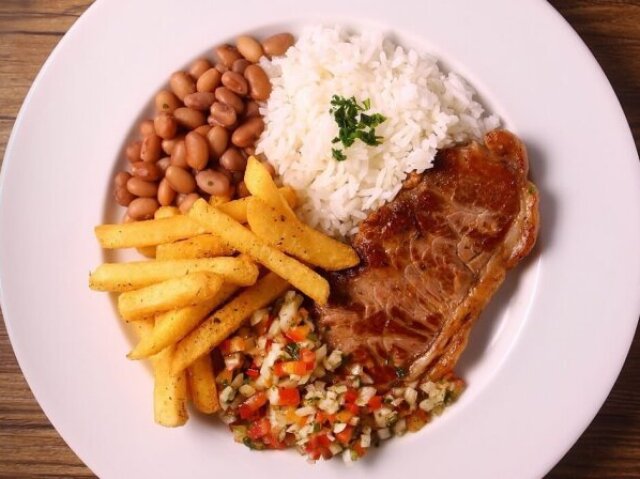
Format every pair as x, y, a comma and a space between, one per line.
431, 260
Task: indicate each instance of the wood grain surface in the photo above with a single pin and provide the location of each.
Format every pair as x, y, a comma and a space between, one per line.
30, 447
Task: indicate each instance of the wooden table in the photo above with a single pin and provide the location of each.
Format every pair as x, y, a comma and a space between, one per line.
30, 447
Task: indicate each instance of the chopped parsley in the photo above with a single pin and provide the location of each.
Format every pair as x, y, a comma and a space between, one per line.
292, 350
354, 124
401, 372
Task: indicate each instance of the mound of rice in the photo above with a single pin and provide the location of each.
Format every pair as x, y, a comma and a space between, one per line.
426, 110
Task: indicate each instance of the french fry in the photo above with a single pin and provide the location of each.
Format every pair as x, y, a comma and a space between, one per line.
202, 385
147, 233
166, 212
213, 330
120, 277
169, 391
260, 184
174, 293
237, 209
292, 236
142, 328
201, 246
236, 236
173, 325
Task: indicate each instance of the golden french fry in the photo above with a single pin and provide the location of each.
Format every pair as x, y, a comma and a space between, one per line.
213, 330
237, 209
202, 385
174, 293
142, 328
201, 246
147, 233
292, 236
170, 391
166, 212
173, 325
119, 277
241, 239
260, 183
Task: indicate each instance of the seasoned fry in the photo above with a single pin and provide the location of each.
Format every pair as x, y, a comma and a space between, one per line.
166, 212
241, 239
173, 325
147, 233
201, 246
237, 209
202, 385
174, 293
169, 391
260, 183
118, 277
222, 323
142, 328
292, 236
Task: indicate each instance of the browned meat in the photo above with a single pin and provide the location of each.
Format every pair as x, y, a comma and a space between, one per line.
431, 260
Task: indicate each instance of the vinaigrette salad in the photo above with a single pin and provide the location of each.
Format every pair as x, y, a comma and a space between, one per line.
281, 387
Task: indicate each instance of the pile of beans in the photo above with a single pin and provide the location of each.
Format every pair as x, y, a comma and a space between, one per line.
205, 127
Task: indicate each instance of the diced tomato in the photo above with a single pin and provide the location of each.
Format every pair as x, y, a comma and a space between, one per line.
359, 450
290, 367
308, 357
298, 333
352, 408
323, 440
253, 372
344, 436
375, 403
251, 405
288, 397
326, 453
350, 396
273, 442
259, 428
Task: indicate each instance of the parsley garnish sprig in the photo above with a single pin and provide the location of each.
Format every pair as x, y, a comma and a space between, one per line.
354, 124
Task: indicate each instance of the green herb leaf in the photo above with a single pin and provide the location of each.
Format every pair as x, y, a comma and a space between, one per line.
401, 372
354, 124
293, 350
338, 155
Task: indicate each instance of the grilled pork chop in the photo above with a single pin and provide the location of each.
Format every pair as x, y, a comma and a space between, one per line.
431, 260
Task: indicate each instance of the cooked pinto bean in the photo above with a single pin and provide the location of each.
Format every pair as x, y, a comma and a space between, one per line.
278, 44
249, 48
259, 84
182, 84
180, 180
197, 150
142, 208
247, 133
200, 100
209, 80
146, 171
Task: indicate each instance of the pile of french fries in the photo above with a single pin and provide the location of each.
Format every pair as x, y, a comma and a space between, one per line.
212, 269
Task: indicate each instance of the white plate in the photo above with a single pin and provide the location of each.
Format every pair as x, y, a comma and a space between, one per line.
542, 359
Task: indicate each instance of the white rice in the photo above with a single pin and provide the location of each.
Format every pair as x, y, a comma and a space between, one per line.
426, 110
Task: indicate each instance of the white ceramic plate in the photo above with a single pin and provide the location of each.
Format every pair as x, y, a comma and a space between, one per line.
543, 357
